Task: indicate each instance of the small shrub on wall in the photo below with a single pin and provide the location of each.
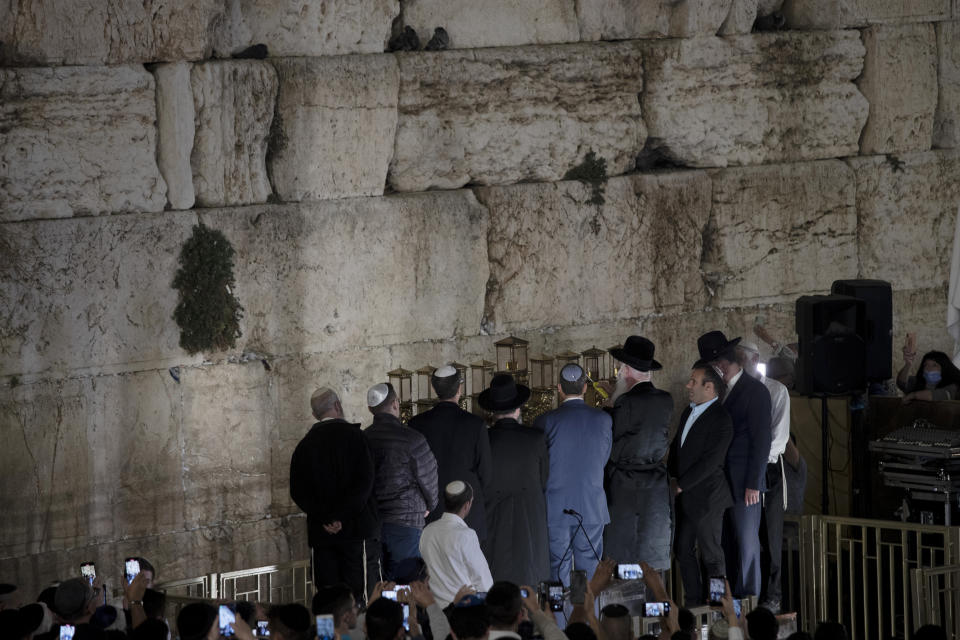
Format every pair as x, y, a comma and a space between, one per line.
207, 312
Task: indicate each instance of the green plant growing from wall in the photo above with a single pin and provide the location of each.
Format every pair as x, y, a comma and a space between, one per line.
592, 171
207, 312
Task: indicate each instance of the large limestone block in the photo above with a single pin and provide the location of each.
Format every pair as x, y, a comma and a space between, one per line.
176, 127
307, 27
359, 271
740, 19
496, 23
80, 32
907, 208
843, 14
553, 255
335, 126
229, 419
780, 231
495, 116
90, 294
946, 126
637, 19
91, 460
77, 141
233, 102
772, 97
900, 82
920, 311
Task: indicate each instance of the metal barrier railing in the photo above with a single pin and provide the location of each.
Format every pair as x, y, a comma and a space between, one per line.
858, 572
936, 598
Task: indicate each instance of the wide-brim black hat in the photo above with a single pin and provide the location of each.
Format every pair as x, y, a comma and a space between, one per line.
504, 394
714, 344
637, 352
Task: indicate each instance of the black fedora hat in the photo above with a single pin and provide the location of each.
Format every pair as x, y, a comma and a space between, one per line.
637, 352
504, 394
714, 344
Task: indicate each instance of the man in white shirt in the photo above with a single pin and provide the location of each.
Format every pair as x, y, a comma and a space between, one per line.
774, 500
451, 549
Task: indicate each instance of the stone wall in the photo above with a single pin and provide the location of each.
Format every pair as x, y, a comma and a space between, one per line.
410, 208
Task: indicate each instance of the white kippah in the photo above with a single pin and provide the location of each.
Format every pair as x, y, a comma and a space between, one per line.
445, 371
377, 394
750, 346
455, 488
571, 372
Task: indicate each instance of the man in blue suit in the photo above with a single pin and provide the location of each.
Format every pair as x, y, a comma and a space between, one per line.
579, 440
748, 403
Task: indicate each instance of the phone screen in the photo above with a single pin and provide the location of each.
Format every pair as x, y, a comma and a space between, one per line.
406, 617
88, 571
524, 593
390, 595
578, 586
263, 630
656, 609
67, 631
555, 596
718, 589
736, 607
629, 572
131, 567
325, 629
227, 618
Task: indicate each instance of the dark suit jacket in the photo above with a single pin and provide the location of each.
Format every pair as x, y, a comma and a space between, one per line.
331, 478
749, 407
698, 465
461, 446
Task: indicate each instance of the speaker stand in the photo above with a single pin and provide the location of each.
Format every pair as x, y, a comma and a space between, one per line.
825, 456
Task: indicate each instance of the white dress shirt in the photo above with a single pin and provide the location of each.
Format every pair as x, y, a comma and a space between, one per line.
779, 417
733, 381
452, 552
696, 410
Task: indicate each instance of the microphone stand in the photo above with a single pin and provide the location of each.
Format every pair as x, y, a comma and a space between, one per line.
580, 528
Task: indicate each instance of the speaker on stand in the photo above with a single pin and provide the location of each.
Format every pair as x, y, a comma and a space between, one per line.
831, 359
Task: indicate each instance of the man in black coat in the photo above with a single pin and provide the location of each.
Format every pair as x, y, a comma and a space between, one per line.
748, 403
331, 479
517, 545
638, 487
459, 442
697, 457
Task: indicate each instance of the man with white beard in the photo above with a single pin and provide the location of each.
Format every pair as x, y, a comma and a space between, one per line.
636, 478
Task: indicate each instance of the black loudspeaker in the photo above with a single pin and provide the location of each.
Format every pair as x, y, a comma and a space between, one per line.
833, 350
879, 337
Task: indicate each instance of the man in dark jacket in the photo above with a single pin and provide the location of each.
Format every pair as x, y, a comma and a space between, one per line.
458, 440
406, 477
748, 403
331, 479
697, 458
517, 545
638, 487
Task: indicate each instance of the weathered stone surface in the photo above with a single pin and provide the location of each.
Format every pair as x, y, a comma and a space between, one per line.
77, 141
307, 27
229, 419
946, 126
494, 116
361, 271
71, 32
778, 232
907, 208
497, 23
773, 97
900, 81
635, 19
90, 293
740, 19
920, 311
233, 102
843, 14
175, 131
90, 460
335, 128
553, 255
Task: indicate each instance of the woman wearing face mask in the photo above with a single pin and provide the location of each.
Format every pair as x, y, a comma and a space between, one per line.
936, 379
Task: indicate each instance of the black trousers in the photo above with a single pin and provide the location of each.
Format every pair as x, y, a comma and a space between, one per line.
703, 533
355, 563
771, 533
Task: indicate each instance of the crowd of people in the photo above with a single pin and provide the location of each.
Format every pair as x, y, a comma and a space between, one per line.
460, 527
